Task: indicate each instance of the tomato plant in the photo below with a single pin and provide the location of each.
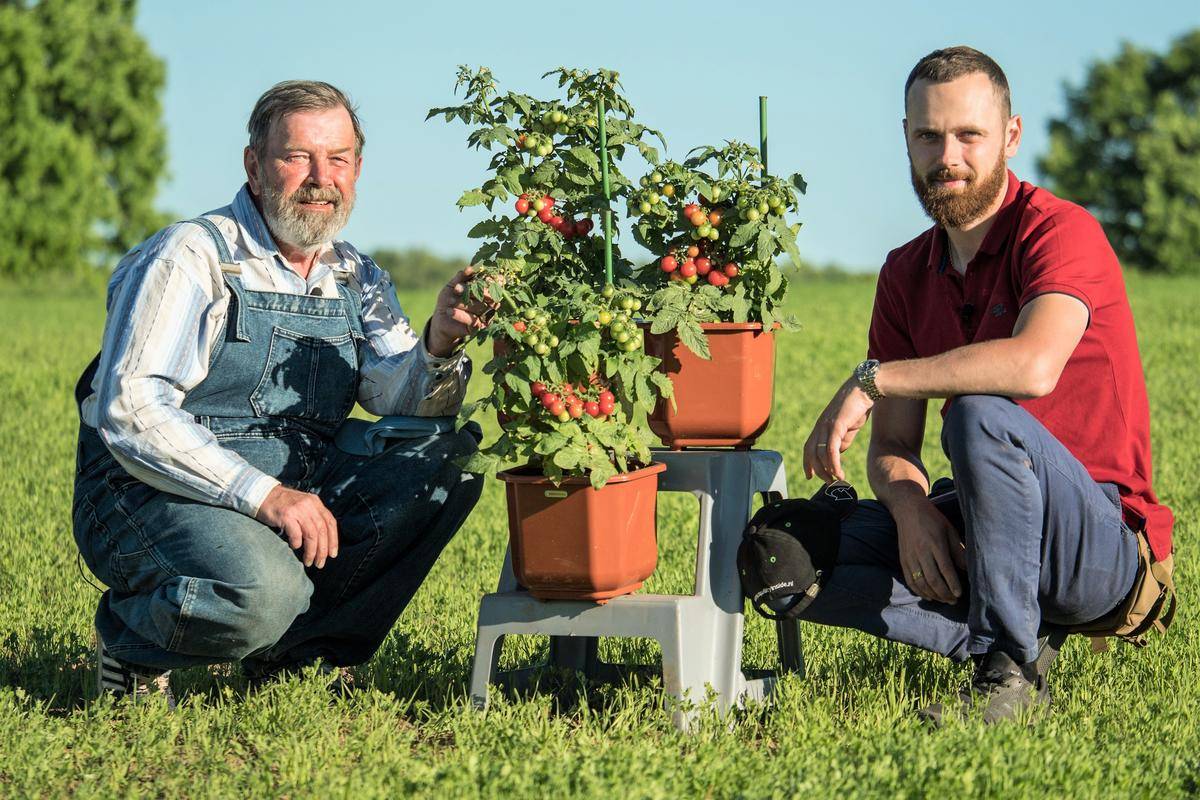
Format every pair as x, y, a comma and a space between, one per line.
725, 223
571, 380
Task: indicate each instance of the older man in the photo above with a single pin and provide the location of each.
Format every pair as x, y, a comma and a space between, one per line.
1013, 308
209, 494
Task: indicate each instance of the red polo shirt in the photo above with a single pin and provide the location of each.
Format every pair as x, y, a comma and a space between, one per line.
1037, 244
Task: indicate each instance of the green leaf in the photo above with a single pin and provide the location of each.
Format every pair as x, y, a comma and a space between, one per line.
483, 229
584, 156
472, 197
693, 338
798, 181
764, 248
744, 233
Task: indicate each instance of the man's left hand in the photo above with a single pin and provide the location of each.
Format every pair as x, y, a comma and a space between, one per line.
835, 430
454, 319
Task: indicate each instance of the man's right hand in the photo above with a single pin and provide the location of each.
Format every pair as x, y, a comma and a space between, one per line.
304, 520
931, 552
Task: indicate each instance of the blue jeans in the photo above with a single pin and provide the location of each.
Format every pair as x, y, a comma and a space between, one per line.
1045, 545
192, 583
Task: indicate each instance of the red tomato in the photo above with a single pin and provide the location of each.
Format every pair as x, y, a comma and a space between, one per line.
703, 265
687, 268
669, 264
522, 205
607, 397
715, 278
714, 218
689, 209
693, 251
546, 214
575, 410
549, 201
731, 270
584, 226
538, 388
592, 408
699, 218
557, 409
519, 326
549, 399
556, 222
606, 409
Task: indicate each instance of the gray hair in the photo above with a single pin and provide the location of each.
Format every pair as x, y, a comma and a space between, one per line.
289, 97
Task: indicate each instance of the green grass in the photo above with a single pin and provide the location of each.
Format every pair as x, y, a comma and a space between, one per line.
1125, 723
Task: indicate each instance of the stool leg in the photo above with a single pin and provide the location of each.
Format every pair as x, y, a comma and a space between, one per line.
791, 652
487, 654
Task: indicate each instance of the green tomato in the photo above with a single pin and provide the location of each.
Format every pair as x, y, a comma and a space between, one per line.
542, 320
644, 207
630, 346
773, 202
622, 318
530, 340
715, 194
558, 117
654, 198
541, 348
605, 317
695, 234
690, 279
753, 214
564, 417
538, 204
531, 313
656, 177
616, 329
704, 230
644, 181
763, 208
714, 235
626, 303
622, 337
637, 305
552, 341
545, 150
608, 291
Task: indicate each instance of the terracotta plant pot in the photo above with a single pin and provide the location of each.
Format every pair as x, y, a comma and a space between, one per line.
573, 542
722, 402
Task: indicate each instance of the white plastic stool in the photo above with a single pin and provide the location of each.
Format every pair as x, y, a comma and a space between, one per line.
700, 634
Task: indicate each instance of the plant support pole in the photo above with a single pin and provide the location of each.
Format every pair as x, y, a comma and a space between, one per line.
608, 277
762, 132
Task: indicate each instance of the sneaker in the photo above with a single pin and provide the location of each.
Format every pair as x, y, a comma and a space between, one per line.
123, 680
338, 680
1001, 687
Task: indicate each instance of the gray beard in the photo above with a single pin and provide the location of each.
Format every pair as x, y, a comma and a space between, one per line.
293, 225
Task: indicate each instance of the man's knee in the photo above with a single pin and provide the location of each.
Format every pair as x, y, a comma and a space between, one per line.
973, 418
233, 618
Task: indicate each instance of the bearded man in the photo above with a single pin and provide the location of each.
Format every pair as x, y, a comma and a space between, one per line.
209, 494
1013, 308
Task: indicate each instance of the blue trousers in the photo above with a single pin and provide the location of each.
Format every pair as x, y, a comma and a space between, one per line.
193, 584
1045, 545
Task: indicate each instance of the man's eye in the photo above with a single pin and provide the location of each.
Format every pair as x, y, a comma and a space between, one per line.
297, 157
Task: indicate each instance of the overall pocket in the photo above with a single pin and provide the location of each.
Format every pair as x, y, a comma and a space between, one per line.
307, 377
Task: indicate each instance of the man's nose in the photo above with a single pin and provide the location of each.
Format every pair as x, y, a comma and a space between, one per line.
319, 173
951, 152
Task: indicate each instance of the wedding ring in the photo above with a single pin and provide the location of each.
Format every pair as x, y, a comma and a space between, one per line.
917, 575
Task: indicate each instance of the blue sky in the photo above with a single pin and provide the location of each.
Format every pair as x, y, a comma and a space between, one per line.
834, 73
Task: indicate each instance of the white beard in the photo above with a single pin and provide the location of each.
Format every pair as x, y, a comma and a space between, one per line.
293, 225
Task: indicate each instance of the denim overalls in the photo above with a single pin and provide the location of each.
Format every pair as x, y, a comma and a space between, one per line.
192, 583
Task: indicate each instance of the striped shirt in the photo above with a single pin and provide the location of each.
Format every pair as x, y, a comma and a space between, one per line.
167, 302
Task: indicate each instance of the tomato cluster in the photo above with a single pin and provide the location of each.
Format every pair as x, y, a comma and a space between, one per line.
534, 331
752, 209
696, 265
571, 402
542, 207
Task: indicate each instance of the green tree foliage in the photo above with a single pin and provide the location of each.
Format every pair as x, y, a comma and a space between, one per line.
1128, 148
82, 145
416, 267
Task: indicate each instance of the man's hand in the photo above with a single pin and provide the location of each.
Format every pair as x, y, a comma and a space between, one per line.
931, 552
305, 521
835, 430
453, 319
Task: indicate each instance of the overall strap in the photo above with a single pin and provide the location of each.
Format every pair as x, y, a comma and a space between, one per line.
228, 267
218, 238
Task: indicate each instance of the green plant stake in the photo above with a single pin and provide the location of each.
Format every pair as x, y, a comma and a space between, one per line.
608, 274
762, 132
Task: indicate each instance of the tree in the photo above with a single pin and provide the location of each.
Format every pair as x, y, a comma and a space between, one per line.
82, 145
1128, 148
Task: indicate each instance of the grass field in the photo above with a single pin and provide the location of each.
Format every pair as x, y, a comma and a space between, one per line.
1125, 723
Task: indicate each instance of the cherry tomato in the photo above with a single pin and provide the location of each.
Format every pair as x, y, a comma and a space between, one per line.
546, 214
731, 270
656, 177
584, 226
538, 204
644, 207
691, 279
608, 291
575, 410
668, 190
606, 408
538, 388
763, 207
548, 200
668, 264
688, 268
545, 150
753, 214
705, 230
714, 235
714, 218
689, 209
715, 278
549, 399
519, 326
703, 265
592, 408
654, 198
693, 251
607, 397
626, 303
698, 218
541, 348
557, 222
564, 416
605, 317
522, 205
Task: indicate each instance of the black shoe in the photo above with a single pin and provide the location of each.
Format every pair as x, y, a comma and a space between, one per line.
123, 680
338, 680
1001, 688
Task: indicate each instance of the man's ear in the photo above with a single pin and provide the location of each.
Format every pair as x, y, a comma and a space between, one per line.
250, 161
1012, 136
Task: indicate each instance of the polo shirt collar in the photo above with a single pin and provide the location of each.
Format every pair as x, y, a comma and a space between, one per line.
996, 235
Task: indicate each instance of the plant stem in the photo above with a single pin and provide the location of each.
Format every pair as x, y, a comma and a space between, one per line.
607, 192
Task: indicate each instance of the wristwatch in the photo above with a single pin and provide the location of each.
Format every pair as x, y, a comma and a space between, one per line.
865, 373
